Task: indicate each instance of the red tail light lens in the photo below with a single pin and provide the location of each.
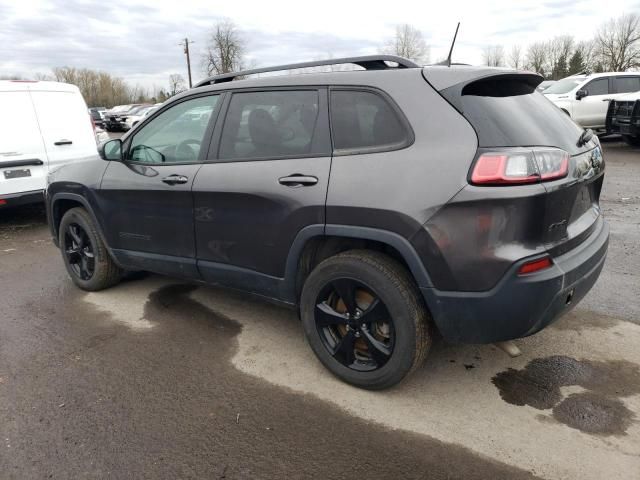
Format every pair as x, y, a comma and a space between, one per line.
519, 166
535, 266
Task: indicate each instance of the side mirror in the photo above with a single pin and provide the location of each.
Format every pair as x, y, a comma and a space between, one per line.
580, 94
111, 150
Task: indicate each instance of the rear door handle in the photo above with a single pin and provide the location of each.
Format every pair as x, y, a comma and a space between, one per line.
63, 142
175, 179
298, 180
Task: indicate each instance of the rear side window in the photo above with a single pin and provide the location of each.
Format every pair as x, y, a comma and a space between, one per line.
599, 86
364, 120
627, 84
272, 124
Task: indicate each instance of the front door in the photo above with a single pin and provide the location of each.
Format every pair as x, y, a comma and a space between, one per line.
591, 111
266, 181
146, 198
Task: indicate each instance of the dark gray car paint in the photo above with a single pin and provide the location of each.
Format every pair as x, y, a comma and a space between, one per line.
250, 231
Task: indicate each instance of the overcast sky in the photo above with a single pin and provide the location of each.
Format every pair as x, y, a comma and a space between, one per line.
138, 39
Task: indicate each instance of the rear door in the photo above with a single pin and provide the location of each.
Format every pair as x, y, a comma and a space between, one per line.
23, 159
266, 180
591, 111
65, 124
146, 200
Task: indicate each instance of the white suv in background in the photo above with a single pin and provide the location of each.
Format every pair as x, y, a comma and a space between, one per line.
586, 97
42, 125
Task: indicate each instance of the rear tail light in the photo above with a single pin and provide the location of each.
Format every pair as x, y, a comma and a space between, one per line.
520, 166
535, 266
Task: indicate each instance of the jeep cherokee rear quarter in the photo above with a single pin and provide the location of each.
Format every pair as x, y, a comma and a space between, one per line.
383, 203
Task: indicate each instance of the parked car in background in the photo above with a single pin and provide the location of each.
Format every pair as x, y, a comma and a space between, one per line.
97, 115
623, 117
545, 84
131, 120
585, 98
116, 121
35, 139
381, 204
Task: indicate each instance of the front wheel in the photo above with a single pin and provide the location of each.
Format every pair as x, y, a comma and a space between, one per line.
365, 319
84, 254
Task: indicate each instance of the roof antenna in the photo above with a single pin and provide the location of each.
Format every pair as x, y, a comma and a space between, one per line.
447, 62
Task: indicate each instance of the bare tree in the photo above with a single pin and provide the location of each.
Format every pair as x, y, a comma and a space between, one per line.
408, 42
493, 55
516, 57
536, 57
618, 42
225, 51
558, 55
99, 88
176, 84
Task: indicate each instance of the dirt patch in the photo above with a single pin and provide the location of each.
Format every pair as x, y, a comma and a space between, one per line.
538, 385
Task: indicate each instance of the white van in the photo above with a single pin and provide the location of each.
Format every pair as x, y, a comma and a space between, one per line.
585, 98
42, 125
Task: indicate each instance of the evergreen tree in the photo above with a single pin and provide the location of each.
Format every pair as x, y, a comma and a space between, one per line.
576, 63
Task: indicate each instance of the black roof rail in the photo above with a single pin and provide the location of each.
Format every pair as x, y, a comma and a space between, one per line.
368, 62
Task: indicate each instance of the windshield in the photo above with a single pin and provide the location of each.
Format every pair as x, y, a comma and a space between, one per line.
564, 86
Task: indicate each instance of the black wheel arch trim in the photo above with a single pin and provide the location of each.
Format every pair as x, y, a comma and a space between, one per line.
401, 244
87, 206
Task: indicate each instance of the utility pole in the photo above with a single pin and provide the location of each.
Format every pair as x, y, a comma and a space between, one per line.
186, 52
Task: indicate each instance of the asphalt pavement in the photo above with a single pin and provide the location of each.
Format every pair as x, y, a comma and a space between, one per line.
159, 379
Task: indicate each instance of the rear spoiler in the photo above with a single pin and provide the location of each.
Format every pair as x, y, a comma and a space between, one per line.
488, 82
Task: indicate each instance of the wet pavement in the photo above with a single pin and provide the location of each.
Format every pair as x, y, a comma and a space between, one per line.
159, 379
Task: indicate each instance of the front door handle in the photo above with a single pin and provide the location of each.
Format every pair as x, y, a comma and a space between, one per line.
175, 179
63, 142
298, 180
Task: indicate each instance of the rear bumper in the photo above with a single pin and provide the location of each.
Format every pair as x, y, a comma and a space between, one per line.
519, 306
21, 198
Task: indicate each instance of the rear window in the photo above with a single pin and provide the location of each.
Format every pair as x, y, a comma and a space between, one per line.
510, 112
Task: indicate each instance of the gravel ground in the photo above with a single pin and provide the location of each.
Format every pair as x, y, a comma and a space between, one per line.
158, 379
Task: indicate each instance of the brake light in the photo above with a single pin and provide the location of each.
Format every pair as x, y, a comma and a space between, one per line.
535, 266
520, 166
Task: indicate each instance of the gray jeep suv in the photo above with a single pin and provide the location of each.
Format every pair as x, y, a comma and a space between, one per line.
385, 204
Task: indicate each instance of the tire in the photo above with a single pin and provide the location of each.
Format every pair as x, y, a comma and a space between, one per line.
403, 337
633, 141
101, 271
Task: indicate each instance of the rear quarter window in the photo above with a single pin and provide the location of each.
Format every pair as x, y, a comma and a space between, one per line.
365, 121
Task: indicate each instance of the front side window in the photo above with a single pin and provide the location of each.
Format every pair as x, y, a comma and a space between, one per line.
598, 87
364, 120
261, 125
627, 84
176, 135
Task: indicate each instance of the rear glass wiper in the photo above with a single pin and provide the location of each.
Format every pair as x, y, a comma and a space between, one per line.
585, 137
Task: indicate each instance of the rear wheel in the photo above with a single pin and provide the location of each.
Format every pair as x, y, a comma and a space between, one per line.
634, 141
84, 254
364, 319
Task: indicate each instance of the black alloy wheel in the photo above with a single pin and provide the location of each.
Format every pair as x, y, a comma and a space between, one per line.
354, 325
79, 251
